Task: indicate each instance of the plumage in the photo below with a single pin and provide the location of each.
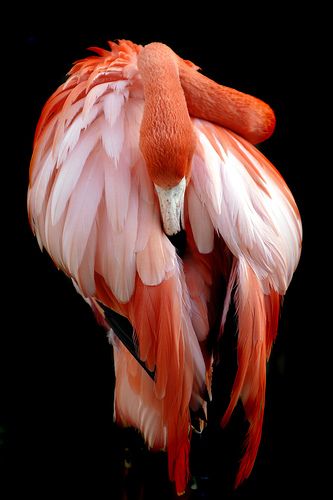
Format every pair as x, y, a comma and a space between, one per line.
126, 125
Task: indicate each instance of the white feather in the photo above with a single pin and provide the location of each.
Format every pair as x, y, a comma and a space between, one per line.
81, 212
40, 185
92, 97
113, 137
70, 171
112, 105
255, 217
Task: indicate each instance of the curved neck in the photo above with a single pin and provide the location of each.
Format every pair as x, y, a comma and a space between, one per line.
244, 114
166, 134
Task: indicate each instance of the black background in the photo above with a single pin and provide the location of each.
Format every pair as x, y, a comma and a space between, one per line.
56, 402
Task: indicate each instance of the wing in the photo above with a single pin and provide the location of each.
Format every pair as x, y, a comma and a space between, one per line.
91, 205
236, 193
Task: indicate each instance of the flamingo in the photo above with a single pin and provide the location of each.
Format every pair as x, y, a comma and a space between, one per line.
135, 147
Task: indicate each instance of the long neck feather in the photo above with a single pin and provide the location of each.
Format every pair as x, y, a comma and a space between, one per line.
166, 135
244, 114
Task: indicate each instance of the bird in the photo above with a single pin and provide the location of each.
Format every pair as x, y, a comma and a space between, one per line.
136, 147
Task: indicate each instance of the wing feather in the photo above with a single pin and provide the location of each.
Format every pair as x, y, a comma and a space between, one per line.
253, 211
82, 210
70, 171
258, 218
117, 192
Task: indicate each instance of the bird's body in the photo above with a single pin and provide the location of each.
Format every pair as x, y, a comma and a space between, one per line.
126, 152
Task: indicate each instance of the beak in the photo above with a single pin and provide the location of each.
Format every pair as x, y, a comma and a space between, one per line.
172, 207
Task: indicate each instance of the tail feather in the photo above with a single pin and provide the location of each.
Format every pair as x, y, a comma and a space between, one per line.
257, 325
166, 342
251, 329
272, 305
253, 399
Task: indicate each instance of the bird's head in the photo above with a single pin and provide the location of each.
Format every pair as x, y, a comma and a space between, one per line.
167, 139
